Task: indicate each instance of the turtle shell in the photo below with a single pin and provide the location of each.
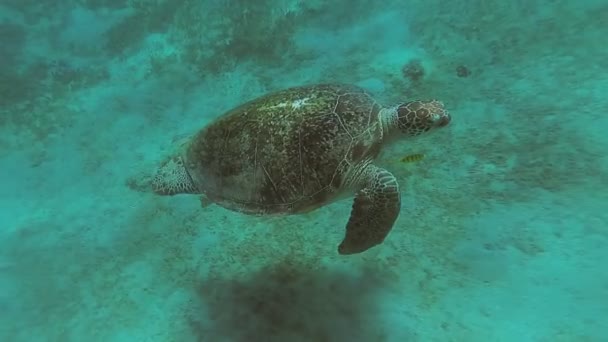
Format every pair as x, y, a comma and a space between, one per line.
287, 151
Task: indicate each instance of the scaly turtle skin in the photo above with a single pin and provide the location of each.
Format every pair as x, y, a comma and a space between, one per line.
298, 149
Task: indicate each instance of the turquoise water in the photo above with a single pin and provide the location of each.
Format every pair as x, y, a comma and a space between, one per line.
503, 228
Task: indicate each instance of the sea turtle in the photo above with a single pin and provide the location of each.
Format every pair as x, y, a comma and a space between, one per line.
300, 148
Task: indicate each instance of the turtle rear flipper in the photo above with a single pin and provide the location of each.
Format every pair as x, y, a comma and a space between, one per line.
374, 211
172, 178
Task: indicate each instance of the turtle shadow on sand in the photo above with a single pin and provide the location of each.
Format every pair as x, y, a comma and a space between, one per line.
289, 302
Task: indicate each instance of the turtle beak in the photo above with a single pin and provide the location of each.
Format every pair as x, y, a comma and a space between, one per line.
444, 120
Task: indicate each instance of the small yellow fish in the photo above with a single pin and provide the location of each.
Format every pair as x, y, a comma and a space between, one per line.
411, 158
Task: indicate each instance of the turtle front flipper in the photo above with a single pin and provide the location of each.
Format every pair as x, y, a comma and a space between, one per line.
374, 211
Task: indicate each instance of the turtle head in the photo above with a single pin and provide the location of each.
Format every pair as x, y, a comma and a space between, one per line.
416, 117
